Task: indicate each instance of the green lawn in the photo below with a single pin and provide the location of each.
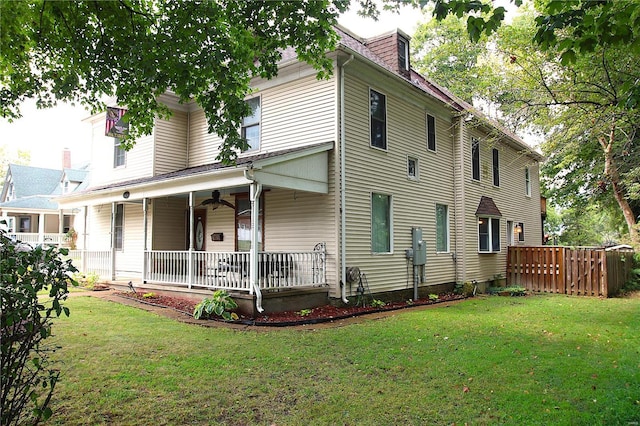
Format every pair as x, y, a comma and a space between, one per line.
536, 360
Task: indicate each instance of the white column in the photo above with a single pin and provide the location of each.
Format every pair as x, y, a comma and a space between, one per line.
41, 228
256, 190
144, 243
114, 207
191, 235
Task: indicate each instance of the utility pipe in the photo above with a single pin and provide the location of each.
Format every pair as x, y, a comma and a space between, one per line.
255, 189
343, 197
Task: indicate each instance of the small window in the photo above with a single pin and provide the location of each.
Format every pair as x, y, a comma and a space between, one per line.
488, 234
251, 125
431, 132
119, 154
412, 168
442, 228
403, 54
496, 167
519, 231
527, 182
380, 223
511, 231
475, 158
378, 107
118, 228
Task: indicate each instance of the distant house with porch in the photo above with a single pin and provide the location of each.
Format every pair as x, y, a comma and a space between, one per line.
375, 179
27, 206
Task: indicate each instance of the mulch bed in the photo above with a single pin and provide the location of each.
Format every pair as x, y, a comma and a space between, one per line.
317, 315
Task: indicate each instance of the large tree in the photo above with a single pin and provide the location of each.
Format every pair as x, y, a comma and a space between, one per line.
583, 106
208, 51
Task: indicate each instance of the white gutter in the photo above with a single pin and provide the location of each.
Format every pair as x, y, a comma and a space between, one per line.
343, 196
255, 191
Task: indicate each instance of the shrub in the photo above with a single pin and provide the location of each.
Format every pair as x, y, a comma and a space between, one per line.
377, 303
219, 304
28, 377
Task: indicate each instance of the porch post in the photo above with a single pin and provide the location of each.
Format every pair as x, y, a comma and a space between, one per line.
84, 240
144, 244
256, 189
191, 241
60, 223
114, 207
41, 228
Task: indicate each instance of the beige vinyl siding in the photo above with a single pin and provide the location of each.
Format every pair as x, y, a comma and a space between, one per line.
99, 227
222, 220
371, 170
170, 149
129, 260
297, 113
510, 198
168, 228
139, 160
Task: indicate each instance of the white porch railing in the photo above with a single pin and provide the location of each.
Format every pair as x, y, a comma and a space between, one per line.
92, 261
230, 270
35, 238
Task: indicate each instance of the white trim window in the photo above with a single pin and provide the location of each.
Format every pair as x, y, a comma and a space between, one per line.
442, 228
251, 124
511, 231
431, 132
475, 159
378, 119
413, 171
527, 181
381, 227
119, 154
496, 166
488, 234
118, 228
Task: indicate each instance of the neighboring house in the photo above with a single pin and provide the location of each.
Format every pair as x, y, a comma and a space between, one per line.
27, 206
351, 171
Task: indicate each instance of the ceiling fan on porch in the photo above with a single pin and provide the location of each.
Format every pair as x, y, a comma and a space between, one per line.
215, 201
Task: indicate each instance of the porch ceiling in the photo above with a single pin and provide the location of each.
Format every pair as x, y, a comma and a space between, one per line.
302, 169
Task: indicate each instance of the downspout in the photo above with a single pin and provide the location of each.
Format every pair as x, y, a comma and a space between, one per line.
460, 215
343, 197
254, 196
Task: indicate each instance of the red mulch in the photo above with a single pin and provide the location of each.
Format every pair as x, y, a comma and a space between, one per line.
316, 315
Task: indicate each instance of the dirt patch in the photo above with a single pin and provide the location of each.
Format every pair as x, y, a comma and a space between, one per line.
322, 314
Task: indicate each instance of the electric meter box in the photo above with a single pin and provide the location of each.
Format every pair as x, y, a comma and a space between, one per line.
419, 247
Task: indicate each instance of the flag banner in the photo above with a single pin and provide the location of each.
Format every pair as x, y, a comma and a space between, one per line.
116, 127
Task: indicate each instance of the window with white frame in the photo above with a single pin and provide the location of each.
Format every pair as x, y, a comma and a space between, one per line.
403, 54
510, 233
496, 166
251, 124
378, 118
119, 154
488, 234
519, 231
527, 181
475, 159
412, 168
381, 223
118, 228
442, 228
431, 132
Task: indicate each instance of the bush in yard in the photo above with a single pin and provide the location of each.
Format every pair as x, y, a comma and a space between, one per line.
219, 305
28, 378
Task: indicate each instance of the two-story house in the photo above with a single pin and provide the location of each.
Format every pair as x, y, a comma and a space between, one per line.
27, 205
375, 172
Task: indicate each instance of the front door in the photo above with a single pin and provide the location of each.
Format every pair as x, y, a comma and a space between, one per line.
199, 229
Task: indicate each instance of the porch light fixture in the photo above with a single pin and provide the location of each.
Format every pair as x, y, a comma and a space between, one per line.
125, 194
518, 229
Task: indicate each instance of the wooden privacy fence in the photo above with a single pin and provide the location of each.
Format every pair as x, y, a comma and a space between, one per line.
581, 271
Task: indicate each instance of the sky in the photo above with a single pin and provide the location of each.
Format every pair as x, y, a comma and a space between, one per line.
46, 133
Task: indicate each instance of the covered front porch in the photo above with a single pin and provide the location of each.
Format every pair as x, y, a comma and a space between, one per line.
258, 227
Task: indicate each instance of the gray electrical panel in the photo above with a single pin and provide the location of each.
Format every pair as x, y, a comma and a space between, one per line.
419, 247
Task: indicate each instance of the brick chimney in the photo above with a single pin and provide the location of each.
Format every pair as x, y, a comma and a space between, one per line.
393, 49
66, 158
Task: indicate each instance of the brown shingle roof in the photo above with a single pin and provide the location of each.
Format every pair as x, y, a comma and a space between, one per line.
487, 208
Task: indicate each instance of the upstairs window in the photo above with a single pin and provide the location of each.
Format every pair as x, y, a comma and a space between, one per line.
475, 159
251, 125
527, 182
431, 132
378, 118
496, 167
488, 234
119, 154
403, 54
380, 223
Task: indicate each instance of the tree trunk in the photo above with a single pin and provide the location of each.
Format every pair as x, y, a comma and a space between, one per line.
611, 172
